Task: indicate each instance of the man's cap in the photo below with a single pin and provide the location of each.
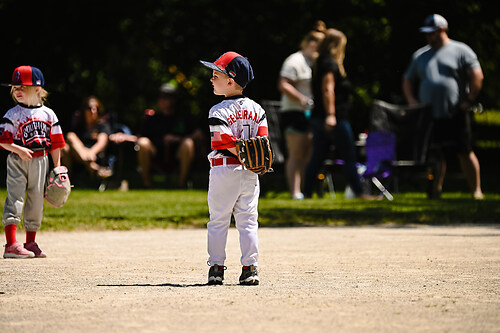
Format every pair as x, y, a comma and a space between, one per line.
27, 76
233, 65
434, 22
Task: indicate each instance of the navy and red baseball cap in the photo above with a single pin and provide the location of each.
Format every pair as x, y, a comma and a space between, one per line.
27, 76
233, 65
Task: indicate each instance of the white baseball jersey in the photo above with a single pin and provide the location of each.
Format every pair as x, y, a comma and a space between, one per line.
232, 189
36, 128
236, 117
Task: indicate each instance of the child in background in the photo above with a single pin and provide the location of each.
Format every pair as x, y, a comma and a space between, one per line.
30, 131
233, 190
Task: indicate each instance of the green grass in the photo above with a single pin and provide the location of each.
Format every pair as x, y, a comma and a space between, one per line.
142, 209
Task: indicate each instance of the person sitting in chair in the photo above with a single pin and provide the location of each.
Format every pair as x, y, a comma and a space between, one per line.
168, 138
88, 138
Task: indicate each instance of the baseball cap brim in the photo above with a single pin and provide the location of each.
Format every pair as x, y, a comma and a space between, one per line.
211, 65
428, 29
17, 85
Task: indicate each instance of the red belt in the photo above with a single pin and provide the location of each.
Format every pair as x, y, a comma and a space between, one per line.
39, 153
224, 161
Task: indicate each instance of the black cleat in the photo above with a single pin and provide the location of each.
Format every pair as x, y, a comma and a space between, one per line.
249, 276
216, 275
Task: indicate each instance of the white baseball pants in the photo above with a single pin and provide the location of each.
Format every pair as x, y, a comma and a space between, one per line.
25, 178
233, 190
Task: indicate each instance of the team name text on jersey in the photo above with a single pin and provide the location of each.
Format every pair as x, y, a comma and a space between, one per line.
242, 114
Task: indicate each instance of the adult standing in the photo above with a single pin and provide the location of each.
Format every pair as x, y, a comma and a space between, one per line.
296, 99
332, 92
449, 77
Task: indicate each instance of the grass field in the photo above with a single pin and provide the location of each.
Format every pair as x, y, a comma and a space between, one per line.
142, 209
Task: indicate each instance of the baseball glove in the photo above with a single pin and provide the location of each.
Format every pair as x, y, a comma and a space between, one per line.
57, 187
255, 154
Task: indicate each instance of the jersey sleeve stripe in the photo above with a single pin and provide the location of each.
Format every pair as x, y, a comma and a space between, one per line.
263, 131
6, 137
6, 121
216, 121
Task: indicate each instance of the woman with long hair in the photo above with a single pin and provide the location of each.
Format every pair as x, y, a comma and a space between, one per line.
332, 92
296, 100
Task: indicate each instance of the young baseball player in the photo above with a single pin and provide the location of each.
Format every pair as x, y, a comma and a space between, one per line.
233, 190
30, 131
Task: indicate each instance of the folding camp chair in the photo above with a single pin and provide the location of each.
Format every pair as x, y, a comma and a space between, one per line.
380, 159
412, 127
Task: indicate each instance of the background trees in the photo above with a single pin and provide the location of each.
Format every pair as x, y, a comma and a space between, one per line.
122, 51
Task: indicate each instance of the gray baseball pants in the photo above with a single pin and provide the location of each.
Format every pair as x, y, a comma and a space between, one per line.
25, 179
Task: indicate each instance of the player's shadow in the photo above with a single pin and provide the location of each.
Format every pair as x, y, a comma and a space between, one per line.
174, 285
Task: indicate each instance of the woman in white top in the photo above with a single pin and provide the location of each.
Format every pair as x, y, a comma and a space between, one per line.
296, 103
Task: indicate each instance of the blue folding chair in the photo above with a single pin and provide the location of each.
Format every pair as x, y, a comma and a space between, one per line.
380, 152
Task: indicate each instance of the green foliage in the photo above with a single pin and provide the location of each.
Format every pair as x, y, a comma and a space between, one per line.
141, 209
488, 117
122, 51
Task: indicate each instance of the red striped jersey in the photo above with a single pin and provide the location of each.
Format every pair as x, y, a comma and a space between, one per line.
236, 117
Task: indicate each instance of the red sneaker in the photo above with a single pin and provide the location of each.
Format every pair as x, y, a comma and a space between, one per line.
33, 247
17, 251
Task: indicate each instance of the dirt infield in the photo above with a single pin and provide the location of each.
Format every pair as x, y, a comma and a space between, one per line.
319, 279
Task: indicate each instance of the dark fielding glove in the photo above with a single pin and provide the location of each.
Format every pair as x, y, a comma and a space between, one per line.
255, 154
57, 187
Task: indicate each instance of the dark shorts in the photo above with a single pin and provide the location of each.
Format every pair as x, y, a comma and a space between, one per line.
166, 153
294, 122
454, 135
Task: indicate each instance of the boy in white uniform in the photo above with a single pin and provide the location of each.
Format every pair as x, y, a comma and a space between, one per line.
233, 190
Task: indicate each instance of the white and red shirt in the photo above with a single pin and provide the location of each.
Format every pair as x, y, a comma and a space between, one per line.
236, 117
33, 127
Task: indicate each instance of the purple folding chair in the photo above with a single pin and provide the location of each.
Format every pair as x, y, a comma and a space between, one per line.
380, 157
413, 127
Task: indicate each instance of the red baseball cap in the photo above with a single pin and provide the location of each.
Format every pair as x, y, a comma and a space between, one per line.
233, 65
27, 76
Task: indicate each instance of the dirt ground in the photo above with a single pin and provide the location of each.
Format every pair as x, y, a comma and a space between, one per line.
318, 279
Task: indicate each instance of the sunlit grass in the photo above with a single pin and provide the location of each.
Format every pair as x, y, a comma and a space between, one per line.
142, 209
